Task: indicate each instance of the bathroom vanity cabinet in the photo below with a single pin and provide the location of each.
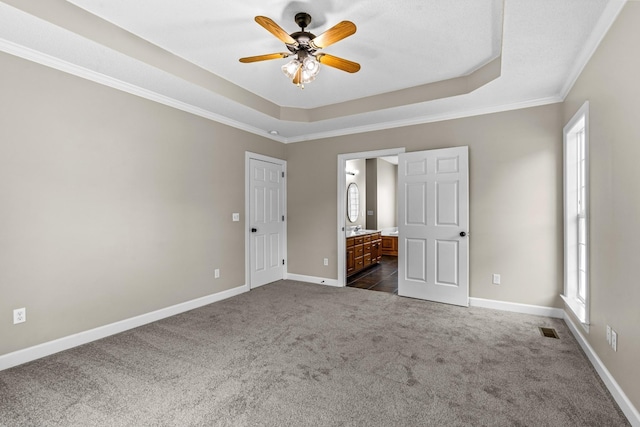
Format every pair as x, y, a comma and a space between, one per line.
363, 250
390, 245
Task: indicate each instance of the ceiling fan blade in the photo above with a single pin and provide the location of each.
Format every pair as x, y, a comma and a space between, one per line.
339, 63
334, 34
298, 76
264, 57
276, 30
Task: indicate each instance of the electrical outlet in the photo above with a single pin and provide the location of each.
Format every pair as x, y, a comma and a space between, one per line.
614, 340
216, 273
326, 261
496, 279
19, 315
235, 217
609, 334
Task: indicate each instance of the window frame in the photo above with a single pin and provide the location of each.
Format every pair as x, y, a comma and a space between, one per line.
575, 210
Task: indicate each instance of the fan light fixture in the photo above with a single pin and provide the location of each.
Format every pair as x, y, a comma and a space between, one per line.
303, 46
309, 68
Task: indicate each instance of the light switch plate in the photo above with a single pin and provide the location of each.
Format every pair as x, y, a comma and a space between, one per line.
496, 279
235, 217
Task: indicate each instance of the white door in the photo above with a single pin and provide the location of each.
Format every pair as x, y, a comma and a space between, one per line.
433, 222
266, 213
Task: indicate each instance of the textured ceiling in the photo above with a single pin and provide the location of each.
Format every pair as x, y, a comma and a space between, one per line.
185, 54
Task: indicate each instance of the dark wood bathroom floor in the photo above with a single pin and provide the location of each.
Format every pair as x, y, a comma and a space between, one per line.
382, 277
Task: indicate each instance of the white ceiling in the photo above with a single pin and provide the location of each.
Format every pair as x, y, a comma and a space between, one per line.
402, 45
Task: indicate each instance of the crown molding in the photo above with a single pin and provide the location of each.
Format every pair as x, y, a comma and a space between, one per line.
600, 30
427, 119
87, 74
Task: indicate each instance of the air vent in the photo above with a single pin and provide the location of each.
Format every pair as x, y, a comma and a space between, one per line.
549, 333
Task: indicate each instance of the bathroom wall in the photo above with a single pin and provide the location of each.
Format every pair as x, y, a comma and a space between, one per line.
372, 194
382, 184
361, 181
387, 186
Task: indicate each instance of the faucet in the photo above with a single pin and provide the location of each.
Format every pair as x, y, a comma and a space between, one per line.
357, 228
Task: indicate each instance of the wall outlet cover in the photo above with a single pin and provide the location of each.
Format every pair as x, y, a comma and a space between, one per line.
614, 340
19, 315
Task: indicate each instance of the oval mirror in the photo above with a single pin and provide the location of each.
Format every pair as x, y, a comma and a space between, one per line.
353, 202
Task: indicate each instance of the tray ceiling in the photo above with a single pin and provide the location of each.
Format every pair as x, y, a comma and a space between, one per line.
421, 60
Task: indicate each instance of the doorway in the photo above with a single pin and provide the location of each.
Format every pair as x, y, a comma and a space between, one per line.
433, 220
342, 201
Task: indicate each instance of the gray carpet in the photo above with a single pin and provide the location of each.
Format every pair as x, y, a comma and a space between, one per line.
294, 354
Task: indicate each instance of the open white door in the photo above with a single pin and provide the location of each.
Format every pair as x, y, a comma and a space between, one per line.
433, 222
266, 221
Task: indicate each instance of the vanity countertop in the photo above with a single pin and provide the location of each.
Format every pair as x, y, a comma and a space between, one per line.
360, 233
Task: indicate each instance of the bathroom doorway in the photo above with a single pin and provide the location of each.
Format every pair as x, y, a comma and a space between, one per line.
433, 219
352, 168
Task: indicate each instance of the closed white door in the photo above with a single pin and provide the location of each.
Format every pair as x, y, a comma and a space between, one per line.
433, 222
266, 221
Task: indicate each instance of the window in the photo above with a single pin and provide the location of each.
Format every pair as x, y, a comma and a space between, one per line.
576, 214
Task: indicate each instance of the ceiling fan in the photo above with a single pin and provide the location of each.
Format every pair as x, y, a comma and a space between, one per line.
304, 46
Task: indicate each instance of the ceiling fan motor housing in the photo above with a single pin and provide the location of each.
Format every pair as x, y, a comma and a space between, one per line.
303, 20
302, 37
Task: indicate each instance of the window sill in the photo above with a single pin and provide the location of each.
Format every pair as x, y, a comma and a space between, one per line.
578, 309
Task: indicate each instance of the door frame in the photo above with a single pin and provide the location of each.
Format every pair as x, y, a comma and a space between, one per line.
247, 213
342, 202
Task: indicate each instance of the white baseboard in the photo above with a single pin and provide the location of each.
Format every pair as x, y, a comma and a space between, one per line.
41, 350
618, 394
313, 279
537, 310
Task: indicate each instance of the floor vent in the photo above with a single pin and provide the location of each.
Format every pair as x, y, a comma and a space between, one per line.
549, 333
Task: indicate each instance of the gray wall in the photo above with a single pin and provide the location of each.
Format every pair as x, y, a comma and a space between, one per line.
515, 171
610, 83
112, 205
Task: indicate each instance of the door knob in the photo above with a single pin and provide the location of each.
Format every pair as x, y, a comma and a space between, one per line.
253, 230
462, 234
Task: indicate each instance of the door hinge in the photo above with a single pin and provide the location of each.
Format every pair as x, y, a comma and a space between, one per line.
282, 218
282, 262
283, 174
